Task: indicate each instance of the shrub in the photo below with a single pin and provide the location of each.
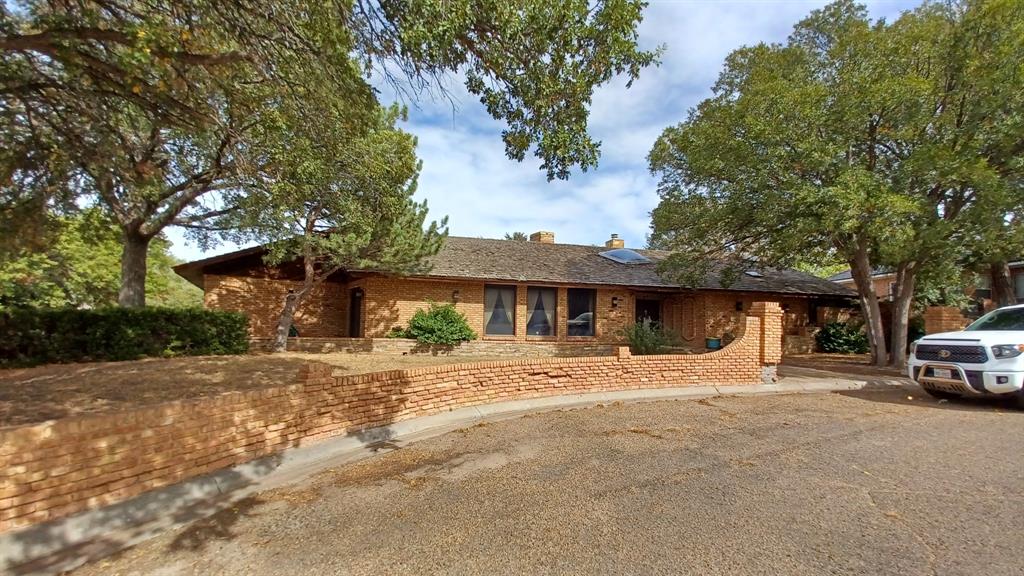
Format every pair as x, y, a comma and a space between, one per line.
842, 338
648, 337
32, 336
440, 324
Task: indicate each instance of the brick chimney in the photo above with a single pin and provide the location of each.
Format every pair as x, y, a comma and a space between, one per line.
543, 237
615, 242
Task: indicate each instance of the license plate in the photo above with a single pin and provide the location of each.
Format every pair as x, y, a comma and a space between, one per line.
942, 373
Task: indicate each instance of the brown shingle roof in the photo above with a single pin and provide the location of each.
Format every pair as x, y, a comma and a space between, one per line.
487, 259
516, 261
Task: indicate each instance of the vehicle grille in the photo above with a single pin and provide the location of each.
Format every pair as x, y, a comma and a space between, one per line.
957, 353
974, 377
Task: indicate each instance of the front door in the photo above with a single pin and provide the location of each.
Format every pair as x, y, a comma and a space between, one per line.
355, 313
648, 310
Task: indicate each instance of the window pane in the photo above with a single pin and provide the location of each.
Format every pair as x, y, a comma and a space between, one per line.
581, 312
540, 311
1020, 286
499, 310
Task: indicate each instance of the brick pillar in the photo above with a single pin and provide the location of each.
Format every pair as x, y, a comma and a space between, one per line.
770, 336
943, 319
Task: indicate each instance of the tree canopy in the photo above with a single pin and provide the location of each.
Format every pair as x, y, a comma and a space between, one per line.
153, 109
874, 143
80, 268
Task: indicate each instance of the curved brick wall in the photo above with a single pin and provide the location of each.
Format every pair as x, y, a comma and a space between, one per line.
55, 469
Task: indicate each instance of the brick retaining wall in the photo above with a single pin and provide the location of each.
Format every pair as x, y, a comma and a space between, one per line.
943, 319
54, 469
472, 348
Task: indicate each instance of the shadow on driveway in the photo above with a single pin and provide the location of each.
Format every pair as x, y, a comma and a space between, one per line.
913, 395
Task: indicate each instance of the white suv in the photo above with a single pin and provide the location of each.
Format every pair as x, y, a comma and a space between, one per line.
986, 358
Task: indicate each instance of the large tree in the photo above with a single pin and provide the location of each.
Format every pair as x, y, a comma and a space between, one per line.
149, 107
878, 144
333, 197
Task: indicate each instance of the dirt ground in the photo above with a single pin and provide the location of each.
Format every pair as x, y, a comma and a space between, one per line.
29, 395
845, 363
867, 482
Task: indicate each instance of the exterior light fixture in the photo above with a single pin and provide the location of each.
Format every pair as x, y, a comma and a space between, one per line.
615, 301
455, 296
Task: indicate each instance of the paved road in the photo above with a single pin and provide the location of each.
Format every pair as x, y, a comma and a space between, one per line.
854, 483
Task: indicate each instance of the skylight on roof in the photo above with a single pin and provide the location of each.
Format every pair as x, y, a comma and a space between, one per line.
625, 256
754, 274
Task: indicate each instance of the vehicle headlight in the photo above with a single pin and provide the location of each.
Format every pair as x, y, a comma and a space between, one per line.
913, 348
1007, 350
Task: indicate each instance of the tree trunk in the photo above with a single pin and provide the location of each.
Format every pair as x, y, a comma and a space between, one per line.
860, 269
134, 251
291, 304
906, 279
1002, 284
284, 323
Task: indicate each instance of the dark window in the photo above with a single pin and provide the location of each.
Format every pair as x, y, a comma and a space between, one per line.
581, 311
499, 310
540, 311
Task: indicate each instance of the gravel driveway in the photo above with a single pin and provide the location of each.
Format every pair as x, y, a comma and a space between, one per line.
856, 483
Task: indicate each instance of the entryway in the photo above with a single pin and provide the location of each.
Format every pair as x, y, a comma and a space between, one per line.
647, 309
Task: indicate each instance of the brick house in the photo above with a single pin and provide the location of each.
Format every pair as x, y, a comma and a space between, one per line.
515, 291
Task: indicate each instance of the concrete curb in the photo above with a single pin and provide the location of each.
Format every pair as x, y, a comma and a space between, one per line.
64, 544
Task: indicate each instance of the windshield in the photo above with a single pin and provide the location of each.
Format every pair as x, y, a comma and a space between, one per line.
1005, 319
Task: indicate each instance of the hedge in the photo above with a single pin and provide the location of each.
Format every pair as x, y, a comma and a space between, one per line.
42, 336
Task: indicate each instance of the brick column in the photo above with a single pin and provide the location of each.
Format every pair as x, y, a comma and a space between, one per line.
770, 314
943, 319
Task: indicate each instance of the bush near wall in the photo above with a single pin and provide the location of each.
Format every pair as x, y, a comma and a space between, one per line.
842, 338
41, 336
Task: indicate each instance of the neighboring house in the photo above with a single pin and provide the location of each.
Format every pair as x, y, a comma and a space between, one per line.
536, 291
884, 282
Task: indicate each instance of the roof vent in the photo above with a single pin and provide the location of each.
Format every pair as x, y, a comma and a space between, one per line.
754, 274
625, 256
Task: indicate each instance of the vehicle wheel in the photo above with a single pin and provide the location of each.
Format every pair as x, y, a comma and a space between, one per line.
941, 395
1019, 400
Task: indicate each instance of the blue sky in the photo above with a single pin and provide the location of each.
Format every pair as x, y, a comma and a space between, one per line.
467, 177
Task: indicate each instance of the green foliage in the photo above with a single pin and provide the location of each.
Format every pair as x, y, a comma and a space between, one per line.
648, 337
517, 236
845, 144
80, 267
338, 196
440, 324
160, 111
842, 338
42, 336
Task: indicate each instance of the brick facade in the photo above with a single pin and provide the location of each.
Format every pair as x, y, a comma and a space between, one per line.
322, 313
391, 301
57, 468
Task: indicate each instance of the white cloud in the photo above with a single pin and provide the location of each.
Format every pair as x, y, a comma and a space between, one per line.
467, 176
